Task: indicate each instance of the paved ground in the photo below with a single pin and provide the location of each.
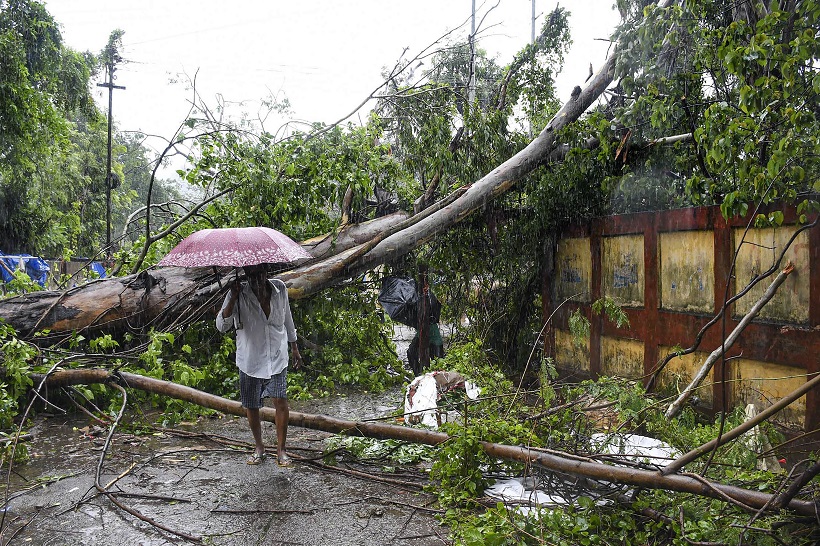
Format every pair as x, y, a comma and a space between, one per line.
197, 487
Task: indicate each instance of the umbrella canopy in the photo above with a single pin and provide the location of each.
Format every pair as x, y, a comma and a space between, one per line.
235, 247
400, 299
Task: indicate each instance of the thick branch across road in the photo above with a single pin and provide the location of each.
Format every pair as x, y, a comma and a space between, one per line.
615, 474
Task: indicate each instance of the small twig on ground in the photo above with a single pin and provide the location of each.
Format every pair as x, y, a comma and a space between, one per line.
365, 475
20, 438
395, 503
83, 408
121, 476
416, 537
164, 498
259, 511
17, 435
18, 530
39, 484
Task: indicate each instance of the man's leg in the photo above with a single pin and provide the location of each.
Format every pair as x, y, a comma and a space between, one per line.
256, 429
250, 394
413, 356
282, 416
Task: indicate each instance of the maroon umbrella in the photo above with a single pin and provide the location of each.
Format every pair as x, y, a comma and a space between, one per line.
236, 247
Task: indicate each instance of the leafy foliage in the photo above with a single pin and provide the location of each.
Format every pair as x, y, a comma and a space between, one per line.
353, 344
385, 451
52, 140
743, 81
593, 516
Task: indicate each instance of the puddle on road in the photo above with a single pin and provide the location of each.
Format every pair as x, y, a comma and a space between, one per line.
199, 488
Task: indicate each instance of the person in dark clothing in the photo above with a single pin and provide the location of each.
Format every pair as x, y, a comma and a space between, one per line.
436, 348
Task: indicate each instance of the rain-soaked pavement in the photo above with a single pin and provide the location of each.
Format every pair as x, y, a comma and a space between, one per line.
202, 488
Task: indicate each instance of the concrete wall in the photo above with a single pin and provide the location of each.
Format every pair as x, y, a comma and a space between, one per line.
573, 269
671, 272
759, 250
687, 271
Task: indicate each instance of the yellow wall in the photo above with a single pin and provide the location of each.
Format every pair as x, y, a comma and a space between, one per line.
570, 355
687, 284
621, 357
687, 271
791, 302
573, 270
679, 372
622, 269
763, 383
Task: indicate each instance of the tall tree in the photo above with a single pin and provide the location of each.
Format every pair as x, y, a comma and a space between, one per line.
741, 78
42, 83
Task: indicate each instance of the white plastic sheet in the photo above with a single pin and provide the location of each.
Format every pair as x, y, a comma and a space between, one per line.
514, 492
423, 393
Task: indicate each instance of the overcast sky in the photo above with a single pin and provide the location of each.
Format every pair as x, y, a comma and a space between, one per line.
326, 56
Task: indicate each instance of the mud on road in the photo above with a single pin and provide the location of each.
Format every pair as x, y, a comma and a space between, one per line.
195, 481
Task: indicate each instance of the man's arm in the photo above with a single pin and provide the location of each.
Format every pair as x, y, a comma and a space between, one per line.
223, 324
297, 356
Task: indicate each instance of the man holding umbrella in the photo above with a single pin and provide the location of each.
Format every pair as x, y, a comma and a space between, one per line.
262, 342
264, 329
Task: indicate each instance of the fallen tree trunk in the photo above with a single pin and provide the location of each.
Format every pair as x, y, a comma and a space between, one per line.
155, 297
351, 235
306, 281
584, 469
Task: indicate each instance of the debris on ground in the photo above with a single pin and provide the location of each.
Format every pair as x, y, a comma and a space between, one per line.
425, 391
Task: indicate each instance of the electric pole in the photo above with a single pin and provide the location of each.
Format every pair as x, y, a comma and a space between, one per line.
532, 38
110, 68
471, 82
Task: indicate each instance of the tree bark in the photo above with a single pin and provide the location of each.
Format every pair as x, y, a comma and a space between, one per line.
351, 235
154, 297
569, 465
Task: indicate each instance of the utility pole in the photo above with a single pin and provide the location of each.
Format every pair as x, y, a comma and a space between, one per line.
110, 68
532, 41
471, 83
532, 38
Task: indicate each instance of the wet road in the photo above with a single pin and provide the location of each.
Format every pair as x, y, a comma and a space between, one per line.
202, 488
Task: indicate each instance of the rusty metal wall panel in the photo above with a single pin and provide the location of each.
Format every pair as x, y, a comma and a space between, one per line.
658, 322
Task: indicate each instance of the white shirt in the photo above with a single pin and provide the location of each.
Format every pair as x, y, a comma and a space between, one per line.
261, 343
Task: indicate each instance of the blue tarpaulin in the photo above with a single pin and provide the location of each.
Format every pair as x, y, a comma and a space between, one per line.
98, 268
36, 268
